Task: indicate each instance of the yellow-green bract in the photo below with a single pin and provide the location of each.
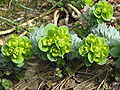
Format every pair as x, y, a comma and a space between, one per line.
89, 2
56, 42
18, 49
103, 11
95, 48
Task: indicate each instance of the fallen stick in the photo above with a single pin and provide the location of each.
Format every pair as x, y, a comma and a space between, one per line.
28, 23
75, 10
56, 16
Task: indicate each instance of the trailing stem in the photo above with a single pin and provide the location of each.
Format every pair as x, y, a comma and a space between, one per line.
56, 16
28, 23
75, 10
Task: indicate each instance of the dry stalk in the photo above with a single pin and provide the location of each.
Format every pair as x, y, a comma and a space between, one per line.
56, 16
75, 10
67, 17
28, 23
88, 79
61, 84
103, 81
40, 85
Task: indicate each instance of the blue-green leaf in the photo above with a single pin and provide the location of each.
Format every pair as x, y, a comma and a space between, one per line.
115, 51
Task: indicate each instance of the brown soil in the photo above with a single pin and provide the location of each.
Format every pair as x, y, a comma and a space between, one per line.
40, 74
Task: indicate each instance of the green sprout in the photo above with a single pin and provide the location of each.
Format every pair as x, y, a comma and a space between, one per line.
56, 42
18, 49
95, 48
103, 11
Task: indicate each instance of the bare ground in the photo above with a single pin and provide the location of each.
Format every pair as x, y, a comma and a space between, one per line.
40, 74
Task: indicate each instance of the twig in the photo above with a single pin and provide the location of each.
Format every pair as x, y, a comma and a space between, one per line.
40, 85
100, 84
103, 81
87, 80
4, 9
67, 16
61, 84
93, 88
86, 73
17, 85
57, 86
78, 81
28, 23
16, 2
64, 83
79, 66
56, 16
50, 9
9, 3
75, 16
75, 11
23, 34
8, 20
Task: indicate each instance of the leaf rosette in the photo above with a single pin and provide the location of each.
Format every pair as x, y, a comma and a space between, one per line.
56, 42
18, 49
103, 11
95, 48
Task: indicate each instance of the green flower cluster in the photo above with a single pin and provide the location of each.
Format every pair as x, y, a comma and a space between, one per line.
56, 42
89, 2
18, 49
103, 11
95, 49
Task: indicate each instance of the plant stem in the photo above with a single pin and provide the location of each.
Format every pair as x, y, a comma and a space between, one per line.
75, 9
16, 2
56, 16
28, 23
8, 20
50, 10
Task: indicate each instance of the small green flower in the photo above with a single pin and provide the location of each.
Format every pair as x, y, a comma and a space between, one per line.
94, 48
54, 51
84, 49
91, 39
44, 43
